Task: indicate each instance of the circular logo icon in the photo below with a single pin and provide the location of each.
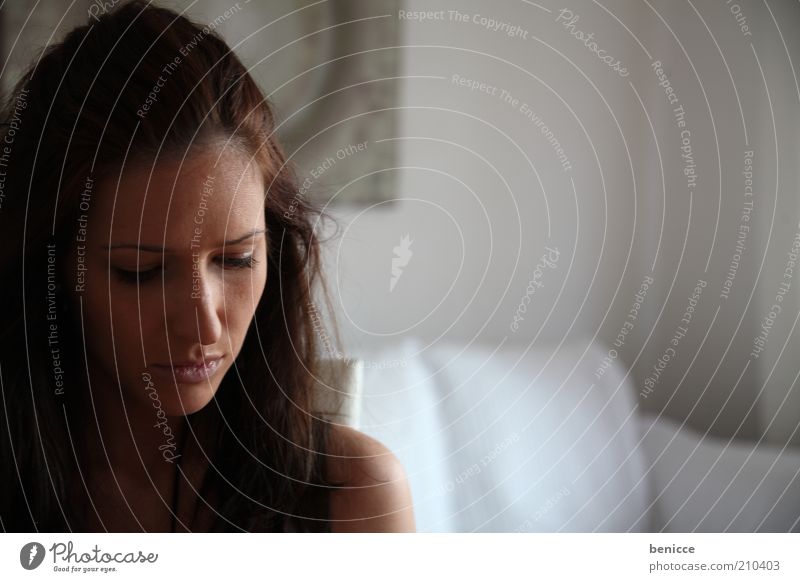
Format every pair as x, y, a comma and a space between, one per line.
31, 555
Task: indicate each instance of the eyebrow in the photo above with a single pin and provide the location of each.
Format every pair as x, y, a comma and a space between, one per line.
158, 249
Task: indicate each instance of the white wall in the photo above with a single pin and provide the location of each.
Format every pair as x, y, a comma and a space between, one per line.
480, 187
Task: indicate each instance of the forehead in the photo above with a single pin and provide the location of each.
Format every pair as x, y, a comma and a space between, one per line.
213, 189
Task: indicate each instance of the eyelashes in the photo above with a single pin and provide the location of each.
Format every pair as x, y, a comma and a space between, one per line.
246, 262
133, 277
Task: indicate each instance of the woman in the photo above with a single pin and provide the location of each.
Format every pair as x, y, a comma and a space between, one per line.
158, 357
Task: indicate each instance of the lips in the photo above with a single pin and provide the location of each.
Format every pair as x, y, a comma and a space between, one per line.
190, 372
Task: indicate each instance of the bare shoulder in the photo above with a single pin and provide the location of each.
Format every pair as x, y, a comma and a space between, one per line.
373, 493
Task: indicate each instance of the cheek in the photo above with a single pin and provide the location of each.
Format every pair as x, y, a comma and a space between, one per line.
131, 310
110, 324
127, 323
96, 311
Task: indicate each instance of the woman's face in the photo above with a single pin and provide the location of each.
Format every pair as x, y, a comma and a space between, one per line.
175, 264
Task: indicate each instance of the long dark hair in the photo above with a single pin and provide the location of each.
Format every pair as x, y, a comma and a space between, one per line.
81, 110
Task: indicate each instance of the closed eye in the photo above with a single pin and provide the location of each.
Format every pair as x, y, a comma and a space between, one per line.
127, 276
227, 262
246, 262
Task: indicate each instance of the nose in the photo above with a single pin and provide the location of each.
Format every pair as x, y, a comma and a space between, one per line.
195, 317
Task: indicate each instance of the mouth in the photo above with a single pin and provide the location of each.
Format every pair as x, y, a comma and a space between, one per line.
190, 372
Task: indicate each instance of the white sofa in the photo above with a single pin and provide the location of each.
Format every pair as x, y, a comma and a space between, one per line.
518, 439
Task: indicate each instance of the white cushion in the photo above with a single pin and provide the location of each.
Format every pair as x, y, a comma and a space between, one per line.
705, 485
509, 440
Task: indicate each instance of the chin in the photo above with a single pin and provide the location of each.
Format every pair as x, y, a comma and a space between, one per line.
181, 399
192, 399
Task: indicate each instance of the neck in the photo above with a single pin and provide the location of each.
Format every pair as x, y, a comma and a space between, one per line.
127, 433
129, 453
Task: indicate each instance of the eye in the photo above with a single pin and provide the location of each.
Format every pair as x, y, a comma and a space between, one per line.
134, 277
246, 262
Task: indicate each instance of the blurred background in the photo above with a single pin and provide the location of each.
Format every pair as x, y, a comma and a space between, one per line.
609, 185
